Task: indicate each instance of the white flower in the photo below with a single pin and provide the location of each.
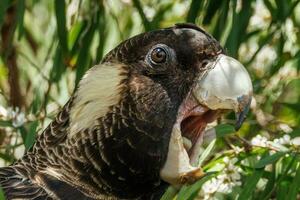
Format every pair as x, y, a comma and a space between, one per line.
10, 113
149, 12
266, 56
284, 140
225, 188
126, 1
226, 160
211, 186
285, 128
278, 144
238, 149
232, 172
261, 17
17, 117
260, 141
296, 141
224, 182
3, 112
19, 120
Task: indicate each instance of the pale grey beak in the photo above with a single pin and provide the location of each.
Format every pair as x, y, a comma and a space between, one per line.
226, 85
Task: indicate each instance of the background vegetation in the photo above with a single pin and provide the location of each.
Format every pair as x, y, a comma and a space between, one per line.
46, 46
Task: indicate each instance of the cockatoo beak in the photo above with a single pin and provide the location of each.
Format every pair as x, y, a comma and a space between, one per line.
226, 85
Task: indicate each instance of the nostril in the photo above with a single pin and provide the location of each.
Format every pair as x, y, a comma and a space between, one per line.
204, 62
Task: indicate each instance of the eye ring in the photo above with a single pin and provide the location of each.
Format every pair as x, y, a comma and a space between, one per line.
158, 55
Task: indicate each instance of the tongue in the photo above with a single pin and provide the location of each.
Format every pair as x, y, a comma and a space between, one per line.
192, 127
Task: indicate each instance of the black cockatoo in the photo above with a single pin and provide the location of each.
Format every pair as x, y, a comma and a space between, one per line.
120, 136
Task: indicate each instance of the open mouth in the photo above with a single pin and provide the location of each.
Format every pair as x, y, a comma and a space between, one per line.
193, 119
225, 86
186, 142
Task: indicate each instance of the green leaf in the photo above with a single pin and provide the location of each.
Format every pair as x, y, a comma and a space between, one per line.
7, 157
4, 4
169, 194
240, 23
60, 14
102, 40
189, 192
20, 17
250, 184
295, 133
2, 197
294, 187
224, 129
30, 137
195, 7
286, 108
23, 133
271, 8
206, 152
5, 123
58, 66
282, 190
220, 28
102, 32
36, 103
160, 13
84, 56
211, 10
269, 187
146, 22
270, 159
74, 35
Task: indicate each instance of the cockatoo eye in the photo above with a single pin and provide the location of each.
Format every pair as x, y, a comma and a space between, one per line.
158, 55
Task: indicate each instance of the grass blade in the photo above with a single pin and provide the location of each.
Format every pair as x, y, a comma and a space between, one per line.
270, 159
250, 184
20, 17
169, 194
269, 186
211, 10
30, 137
195, 7
58, 66
240, 23
60, 14
294, 187
4, 4
146, 22
189, 192
84, 57
5, 123
206, 152
2, 197
282, 190
224, 129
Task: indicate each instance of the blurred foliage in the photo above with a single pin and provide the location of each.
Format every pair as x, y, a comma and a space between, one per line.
46, 46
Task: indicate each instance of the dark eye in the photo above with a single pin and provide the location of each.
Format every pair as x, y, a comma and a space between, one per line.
158, 55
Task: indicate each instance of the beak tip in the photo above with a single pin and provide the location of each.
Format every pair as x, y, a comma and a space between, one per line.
241, 115
239, 124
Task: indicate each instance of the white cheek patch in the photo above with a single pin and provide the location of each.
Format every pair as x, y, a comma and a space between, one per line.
99, 89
